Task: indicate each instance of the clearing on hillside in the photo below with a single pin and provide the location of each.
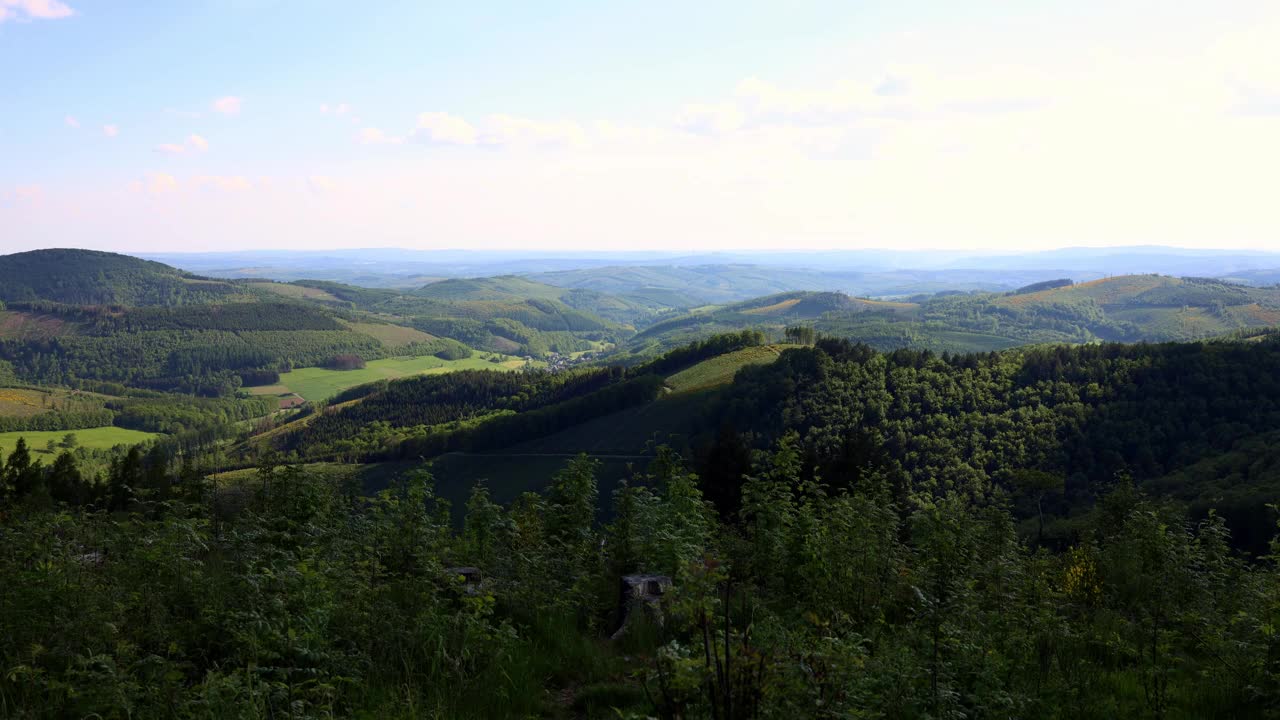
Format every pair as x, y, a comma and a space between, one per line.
25, 402
774, 309
393, 336
19, 325
720, 370
295, 291
99, 438
321, 383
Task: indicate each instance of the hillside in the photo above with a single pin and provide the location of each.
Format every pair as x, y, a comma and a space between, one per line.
720, 370
836, 481
855, 406
515, 290
504, 314
90, 277
1128, 308
695, 285
771, 314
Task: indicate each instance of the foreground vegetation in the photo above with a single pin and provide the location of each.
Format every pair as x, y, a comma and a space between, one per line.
293, 597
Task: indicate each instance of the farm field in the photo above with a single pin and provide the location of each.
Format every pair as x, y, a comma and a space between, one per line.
321, 383
393, 336
25, 401
973, 342
99, 438
720, 370
295, 291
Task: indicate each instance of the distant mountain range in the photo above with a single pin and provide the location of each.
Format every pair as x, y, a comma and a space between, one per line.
699, 278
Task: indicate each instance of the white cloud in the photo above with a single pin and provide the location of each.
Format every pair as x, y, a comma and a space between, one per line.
161, 183
321, 183
34, 10
225, 183
512, 130
375, 136
29, 193
711, 118
111, 130
193, 143
497, 130
229, 105
443, 128
71, 122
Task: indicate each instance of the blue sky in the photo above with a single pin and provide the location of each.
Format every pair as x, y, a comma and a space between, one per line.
561, 125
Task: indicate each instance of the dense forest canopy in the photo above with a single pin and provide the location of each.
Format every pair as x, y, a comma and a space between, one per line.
88, 277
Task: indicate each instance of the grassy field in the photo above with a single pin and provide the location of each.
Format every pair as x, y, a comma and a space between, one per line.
321, 383
99, 438
973, 342
720, 370
15, 325
27, 401
1174, 323
393, 336
23, 402
774, 309
295, 291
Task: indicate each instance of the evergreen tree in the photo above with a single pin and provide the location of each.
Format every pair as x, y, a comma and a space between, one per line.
66, 484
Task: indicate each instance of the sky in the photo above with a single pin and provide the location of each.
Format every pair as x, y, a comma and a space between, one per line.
202, 125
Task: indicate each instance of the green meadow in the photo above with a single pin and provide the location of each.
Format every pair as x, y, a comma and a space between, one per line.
321, 383
99, 438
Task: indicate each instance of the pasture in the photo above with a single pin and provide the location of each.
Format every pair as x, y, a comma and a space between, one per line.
321, 383
720, 370
99, 438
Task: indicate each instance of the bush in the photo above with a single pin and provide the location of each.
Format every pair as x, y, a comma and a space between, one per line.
346, 362
454, 352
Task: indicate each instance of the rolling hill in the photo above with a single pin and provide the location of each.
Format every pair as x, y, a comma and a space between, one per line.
515, 290
688, 286
1128, 308
90, 277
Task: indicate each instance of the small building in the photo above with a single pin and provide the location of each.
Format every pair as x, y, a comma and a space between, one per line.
470, 577
288, 401
642, 595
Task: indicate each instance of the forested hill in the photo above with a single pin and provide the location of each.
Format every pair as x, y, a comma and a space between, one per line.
840, 533
1129, 308
510, 290
929, 424
90, 277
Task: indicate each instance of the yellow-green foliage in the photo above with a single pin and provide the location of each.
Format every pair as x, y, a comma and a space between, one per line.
721, 369
296, 291
16, 325
393, 336
320, 383
99, 438
24, 402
